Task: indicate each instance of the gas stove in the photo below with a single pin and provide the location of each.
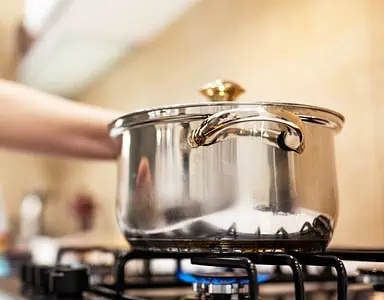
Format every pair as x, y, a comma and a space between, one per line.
335, 274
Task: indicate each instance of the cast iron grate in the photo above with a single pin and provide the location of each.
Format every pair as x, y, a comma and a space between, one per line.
297, 262
247, 262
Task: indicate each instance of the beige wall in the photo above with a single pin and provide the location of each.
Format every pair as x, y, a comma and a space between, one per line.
10, 17
317, 52
18, 172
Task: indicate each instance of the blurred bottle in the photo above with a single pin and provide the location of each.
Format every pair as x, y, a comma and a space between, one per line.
83, 208
4, 226
31, 216
4, 237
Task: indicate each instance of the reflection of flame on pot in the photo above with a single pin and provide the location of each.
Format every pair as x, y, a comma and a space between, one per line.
144, 177
144, 198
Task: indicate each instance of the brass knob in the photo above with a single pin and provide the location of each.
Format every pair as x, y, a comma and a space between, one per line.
221, 90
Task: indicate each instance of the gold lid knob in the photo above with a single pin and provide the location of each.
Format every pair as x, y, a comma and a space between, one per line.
221, 90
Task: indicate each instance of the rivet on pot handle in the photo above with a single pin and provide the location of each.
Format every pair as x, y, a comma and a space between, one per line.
219, 126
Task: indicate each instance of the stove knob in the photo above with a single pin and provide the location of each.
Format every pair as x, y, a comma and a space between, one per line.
30, 275
27, 277
23, 277
23, 273
69, 281
42, 279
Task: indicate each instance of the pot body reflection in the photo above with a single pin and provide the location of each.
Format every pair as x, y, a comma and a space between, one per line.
237, 194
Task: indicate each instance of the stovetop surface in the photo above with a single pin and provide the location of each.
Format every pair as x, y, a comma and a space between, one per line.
279, 286
10, 290
281, 291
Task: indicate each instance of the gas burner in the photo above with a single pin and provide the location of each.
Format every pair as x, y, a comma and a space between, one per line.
372, 275
215, 278
224, 291
231, 285
222, 278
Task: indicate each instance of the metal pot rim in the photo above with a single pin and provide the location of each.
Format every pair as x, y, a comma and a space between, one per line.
173, 113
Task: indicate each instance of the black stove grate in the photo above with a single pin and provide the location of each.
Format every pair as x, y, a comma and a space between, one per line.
248, 261
297, 261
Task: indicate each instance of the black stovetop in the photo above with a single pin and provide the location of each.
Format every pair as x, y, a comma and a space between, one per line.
78, 282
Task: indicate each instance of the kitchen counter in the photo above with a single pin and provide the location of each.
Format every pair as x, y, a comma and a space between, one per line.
10, 284
9, 289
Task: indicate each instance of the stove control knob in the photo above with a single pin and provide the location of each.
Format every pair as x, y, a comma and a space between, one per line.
42, 278
69, 281
29, 275
23, 277
23, 273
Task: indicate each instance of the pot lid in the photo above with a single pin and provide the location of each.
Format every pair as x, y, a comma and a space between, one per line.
222, 94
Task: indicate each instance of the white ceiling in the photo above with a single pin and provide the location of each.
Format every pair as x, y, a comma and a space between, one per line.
78, 40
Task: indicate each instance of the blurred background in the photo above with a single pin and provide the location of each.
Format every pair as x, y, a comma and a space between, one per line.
130, 55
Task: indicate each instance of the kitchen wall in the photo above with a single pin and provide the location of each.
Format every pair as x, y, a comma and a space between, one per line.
324, 53
18, 172
10, 16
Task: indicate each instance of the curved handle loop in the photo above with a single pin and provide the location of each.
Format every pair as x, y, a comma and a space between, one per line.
222, 125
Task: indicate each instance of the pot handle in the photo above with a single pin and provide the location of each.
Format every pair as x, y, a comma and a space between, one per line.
217, 127
222, 125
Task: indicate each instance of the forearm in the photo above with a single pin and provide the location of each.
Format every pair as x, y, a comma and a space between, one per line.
34, 121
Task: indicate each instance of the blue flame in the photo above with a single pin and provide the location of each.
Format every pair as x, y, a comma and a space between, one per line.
190, 278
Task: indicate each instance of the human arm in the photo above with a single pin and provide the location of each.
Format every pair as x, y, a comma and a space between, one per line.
37, 122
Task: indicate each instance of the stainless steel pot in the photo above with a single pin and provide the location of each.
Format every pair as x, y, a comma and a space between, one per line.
228, 176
